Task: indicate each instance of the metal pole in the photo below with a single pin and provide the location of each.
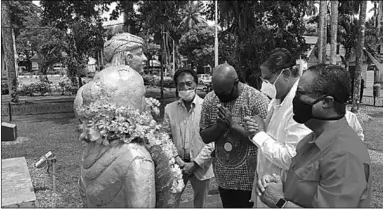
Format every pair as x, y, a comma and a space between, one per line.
216, 34
10, 111
162, 62
174, 58
54, 174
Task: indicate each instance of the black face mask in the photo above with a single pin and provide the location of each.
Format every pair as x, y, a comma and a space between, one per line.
303, 111
231, 96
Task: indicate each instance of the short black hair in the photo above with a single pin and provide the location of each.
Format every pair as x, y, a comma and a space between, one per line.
279, 59
332, 80
182, 71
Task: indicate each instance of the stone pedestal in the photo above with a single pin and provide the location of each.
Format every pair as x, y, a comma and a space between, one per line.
16, 184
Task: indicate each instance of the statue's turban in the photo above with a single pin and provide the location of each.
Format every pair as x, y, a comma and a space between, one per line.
121, 42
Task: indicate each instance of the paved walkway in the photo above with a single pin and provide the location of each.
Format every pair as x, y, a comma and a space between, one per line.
213, 201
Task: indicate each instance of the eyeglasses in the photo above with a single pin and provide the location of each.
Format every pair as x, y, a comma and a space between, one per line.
318, 93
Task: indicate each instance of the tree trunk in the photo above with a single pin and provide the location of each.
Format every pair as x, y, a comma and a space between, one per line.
322, 12
162, 62
334, 30
9, 58
376, 17
359, 55
380, 15
325, 22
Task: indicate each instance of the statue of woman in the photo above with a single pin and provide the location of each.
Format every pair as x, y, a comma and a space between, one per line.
127, 160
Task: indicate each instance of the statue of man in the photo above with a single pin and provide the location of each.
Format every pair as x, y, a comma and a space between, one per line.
123, 49
120, 174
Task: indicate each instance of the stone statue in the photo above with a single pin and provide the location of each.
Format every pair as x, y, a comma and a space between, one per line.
117, 171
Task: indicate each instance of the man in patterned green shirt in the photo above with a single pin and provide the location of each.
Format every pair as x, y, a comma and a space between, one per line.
222, 122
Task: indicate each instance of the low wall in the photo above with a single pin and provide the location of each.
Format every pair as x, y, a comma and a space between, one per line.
29, 108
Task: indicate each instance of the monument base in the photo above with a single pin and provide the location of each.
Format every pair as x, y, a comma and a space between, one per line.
8, 132
17, 189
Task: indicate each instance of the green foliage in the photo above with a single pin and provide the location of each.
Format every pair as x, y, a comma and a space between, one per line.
63, 14
191, 16
44, 88
151, 16
198, 45
65, 84
151, 49
37, 88
252, 29
81, 24
23, 14
349, 27
153, 80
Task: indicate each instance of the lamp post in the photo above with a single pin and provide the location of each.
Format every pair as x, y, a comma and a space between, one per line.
216, 34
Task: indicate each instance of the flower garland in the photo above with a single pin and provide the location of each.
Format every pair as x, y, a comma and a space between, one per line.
108, 122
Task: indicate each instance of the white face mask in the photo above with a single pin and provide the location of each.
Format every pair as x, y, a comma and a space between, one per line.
269, 88
187, 95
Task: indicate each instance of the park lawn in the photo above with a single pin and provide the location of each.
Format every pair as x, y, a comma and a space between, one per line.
39, 134
373, 131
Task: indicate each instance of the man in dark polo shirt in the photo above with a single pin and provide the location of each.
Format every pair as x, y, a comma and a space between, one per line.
222, 122
332, 167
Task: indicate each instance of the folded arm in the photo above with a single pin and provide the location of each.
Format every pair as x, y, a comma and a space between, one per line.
280, 151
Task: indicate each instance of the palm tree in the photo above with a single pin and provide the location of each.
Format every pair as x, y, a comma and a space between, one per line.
359, 53
322, 25
191, 16
334, 29
380, 15
8, 44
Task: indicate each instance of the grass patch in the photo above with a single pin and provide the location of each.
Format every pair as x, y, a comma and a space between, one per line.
373, 130
377, 186
56, 133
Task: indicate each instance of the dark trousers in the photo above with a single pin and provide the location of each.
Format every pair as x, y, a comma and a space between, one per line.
361, 93
235, 198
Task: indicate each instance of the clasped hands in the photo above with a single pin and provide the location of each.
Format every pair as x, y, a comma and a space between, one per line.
254, 124
224, 119
270, 189
187, 168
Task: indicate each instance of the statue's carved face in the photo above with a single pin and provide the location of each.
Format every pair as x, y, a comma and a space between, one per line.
136, 59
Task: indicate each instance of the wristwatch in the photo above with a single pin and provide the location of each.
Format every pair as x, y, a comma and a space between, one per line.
281, 203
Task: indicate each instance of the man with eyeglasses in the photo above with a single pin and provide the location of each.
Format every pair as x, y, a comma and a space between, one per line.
222, 122
277, 136
332, 166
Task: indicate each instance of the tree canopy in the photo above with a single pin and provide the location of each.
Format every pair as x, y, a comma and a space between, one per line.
259, 27
198, 45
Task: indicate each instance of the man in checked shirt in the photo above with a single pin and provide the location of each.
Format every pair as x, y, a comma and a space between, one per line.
182, 121
222, 122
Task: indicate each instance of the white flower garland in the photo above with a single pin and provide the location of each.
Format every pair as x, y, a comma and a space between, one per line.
107, 122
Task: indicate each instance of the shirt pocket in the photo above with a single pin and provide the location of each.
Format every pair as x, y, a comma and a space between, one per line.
309, 172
